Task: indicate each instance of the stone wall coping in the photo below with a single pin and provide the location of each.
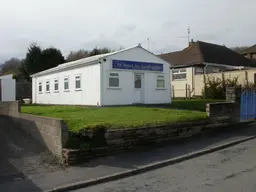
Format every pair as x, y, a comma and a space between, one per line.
45, 117
186, 123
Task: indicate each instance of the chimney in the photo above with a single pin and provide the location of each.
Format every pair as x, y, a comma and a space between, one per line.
191, 42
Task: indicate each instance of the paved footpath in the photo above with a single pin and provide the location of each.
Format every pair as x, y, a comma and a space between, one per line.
232, 169
26, 168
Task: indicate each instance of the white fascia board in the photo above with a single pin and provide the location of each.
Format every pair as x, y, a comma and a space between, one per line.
222, 65
59, 69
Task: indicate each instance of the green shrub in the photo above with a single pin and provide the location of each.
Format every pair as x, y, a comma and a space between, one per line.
215, 88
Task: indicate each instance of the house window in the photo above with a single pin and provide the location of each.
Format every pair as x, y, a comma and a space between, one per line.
40, 88
56, 85
179, 74
66, 84
78, 81
113, 80
199, 70
160, 83
47, 86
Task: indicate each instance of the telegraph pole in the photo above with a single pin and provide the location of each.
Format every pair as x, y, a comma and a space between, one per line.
148, 43
188, 34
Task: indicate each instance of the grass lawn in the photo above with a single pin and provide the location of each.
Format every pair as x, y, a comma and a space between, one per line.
78, 118
192, 104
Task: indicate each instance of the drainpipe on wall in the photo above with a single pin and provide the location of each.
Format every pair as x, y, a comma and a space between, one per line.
193, 82
101, 84
204, 75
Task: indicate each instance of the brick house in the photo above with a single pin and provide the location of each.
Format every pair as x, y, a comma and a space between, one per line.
250, 53
201, 58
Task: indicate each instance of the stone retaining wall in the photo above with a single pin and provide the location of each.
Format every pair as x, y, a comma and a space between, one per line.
50, 132
120, 140
220, 115
53, 133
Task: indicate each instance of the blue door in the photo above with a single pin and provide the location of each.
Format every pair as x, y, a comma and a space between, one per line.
248, 105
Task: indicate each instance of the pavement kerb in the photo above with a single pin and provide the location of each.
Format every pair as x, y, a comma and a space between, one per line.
149, 167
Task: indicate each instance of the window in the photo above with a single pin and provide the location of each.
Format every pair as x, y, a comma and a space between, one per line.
47, 86
66, 84
137, 82
56, 84
199, 70
113, 80
78, 81
40, 89
160, 83
179, 74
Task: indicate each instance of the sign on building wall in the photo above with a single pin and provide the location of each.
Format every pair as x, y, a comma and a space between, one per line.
135, 65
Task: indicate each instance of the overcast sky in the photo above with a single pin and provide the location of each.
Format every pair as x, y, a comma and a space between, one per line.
83, 24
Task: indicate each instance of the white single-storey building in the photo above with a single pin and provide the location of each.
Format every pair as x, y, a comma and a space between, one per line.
125, 77
7, 88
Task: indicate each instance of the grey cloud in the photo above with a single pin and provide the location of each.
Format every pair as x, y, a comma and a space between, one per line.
169, 24
123, 23
124, 30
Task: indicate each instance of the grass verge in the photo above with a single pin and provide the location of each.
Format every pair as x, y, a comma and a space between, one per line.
79, 118
192, 104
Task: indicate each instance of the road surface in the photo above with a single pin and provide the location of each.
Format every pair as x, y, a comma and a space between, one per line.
232, 169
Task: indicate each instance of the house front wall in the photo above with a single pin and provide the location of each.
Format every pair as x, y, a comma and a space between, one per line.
125, 94
182, 87
89, 94
193, 84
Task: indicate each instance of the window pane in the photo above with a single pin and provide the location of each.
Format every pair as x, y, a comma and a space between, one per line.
183, 70
56, 86
113, 82
40, 87
47, 86
114, 74
160, 77
78, 84
179, 76
66, 85
175, 70
160, 83
137, 83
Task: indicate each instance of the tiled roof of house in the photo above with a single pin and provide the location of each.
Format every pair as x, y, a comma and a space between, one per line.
251, 49
202, 52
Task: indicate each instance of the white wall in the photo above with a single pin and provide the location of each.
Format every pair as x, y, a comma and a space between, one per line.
88, 95
8, 89
124, 95
6, 76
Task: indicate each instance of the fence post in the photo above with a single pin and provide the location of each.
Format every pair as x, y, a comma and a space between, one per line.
186, 90
246, 78
173, 92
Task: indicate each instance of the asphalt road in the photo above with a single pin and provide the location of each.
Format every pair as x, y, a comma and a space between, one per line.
21, 157
232, 169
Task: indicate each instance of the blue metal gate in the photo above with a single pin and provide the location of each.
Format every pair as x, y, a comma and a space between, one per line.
248, 104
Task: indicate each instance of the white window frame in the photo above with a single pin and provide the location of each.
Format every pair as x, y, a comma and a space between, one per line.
66, 80
116, 76
47, 83
161, 78
78, 78
40, 84
179, 72
56, 81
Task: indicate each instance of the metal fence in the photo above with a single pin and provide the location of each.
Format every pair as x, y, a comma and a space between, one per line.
23, 90
248, 104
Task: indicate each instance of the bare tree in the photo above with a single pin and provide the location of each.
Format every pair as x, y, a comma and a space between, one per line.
11, 66
239, 49
75, 55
